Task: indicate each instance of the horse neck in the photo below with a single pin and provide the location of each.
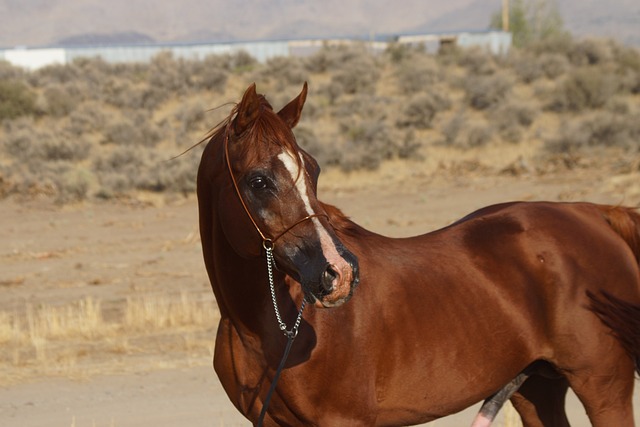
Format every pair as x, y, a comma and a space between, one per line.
240, 285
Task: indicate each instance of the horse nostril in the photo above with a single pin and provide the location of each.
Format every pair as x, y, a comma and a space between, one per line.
328, 276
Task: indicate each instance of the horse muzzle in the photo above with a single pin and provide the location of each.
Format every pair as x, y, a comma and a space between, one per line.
337, 281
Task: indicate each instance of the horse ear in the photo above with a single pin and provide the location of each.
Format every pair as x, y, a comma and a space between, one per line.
248, 110
290, 113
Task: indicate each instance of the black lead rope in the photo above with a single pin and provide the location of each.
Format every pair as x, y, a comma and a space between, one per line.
290, 337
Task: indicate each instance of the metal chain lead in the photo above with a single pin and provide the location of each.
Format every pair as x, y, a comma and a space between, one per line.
268, 247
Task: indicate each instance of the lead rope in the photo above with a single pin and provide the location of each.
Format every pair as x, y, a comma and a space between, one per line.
290, 334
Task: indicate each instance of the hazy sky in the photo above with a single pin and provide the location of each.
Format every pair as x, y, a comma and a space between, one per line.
42, 22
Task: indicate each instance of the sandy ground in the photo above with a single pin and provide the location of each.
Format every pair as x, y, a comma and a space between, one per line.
112, 251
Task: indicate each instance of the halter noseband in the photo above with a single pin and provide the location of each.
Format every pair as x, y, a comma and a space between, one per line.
267, 242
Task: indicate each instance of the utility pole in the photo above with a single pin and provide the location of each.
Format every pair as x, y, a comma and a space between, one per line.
505, 15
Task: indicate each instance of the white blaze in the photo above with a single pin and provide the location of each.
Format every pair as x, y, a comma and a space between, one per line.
328, 248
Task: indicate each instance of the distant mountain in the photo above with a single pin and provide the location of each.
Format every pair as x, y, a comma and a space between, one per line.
51, 22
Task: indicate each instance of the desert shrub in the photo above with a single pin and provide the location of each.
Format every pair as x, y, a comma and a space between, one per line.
590, 52
62, 99
136, 72
597, 129
55, 74
190, 114
630, 82
28, 143
72, 184
526, 65
128, 168
29, 179
88, 117
168, 74
584, 88
612, 130
409, 146
135, 129
553, 65
359, 75
52, 146
211, 73
421, 109
479, 134
477, 61
213, 79
325, 152
627, 61
119, 171
224, 62
92, 73
626, 57
125, 94
16, 99
561, 44
18, 137
329, 58
241, 61
9, 72
452, 130
512, 117
354, 70
397, 52
365, 145
418, 73
618, 105
284, 71
175, 175
363, 106
462, 132
484, 92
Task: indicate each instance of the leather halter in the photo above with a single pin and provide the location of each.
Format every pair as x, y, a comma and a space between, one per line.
267, 242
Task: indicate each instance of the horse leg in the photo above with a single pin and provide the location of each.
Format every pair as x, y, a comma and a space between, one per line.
494, 403
540, 402
602, 372
607, 394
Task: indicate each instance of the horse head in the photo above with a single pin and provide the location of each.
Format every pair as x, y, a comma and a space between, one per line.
270, 200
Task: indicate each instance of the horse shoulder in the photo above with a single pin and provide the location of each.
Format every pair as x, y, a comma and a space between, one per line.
239, 374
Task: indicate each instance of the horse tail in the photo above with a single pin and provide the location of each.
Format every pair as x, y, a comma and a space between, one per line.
622, 317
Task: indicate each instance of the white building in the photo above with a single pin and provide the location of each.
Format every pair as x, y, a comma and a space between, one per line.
497, 42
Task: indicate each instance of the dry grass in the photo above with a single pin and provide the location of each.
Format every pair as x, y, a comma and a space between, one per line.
77, 339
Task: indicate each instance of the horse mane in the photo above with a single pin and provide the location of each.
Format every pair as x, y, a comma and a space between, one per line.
341, 223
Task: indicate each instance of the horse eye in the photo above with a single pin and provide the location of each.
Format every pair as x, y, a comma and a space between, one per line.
258, 182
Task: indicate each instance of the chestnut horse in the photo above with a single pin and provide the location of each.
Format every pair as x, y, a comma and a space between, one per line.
542, 295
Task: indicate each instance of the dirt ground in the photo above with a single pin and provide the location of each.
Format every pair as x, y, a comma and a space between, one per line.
115, 251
